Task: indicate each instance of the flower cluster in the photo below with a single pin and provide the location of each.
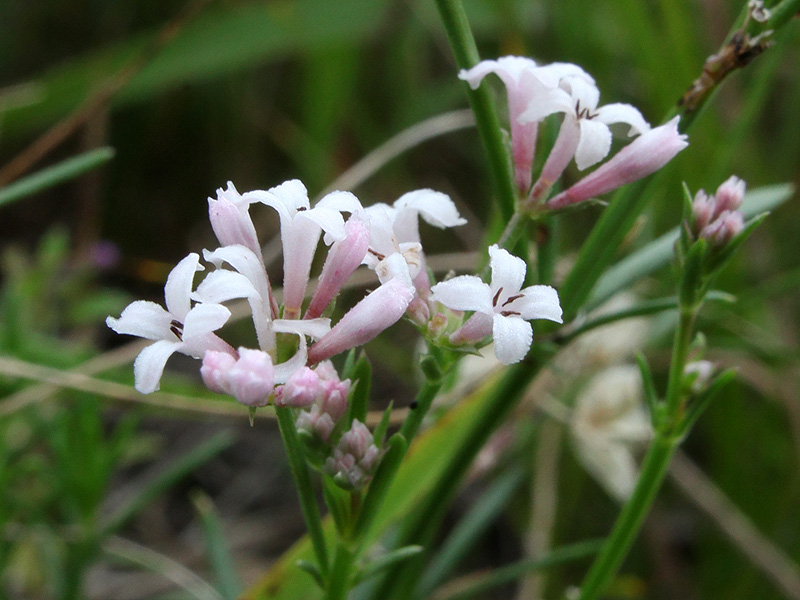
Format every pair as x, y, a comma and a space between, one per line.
717, 218
535, 92
385, 238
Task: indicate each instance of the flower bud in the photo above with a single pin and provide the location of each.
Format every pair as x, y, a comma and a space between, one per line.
215, 371
252, 378
302, 389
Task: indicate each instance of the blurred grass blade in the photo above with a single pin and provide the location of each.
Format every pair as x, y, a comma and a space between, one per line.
222, 563
659, 252
153, 561
387, 560
179, 469
225, 38
58, 173
481, 583
469, 529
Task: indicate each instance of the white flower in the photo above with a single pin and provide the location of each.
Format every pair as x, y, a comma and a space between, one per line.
501, 308
180, 328
250, 281
608, 419
587, 124
526, 83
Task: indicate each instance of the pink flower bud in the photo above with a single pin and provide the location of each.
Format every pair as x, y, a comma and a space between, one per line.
334, 398
380, 309
355, 457
344, 257
357, 440
702, 211
643, 156
215, 370
301, 389
723, 229
729, 195
327, 371
252, 377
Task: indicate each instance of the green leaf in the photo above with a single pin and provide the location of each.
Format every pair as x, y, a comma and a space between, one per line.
53, 175
223, 566
422, 468
469, 529
650, 393
481, 583
390, 462
386, 560
359, 396
380, 431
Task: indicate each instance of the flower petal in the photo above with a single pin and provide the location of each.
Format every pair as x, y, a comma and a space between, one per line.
538, 302
512, 338
203, 319
508, 271
144, 319
149, 365
465, 292
221, 286
314, 328
623, 113
178, 289
594, 143
341, 201
435, 207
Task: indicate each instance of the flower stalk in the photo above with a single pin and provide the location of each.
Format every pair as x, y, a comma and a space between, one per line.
462, 44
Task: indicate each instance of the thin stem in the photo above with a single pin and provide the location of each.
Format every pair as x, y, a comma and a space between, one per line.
302, 481
680, 349
654, 469
462, 43
421, 405
339, 583
616, 547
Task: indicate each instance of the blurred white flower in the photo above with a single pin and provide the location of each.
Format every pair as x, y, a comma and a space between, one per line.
609, 419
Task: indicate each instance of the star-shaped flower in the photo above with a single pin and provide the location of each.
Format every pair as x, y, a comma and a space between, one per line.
501, 308
180, 328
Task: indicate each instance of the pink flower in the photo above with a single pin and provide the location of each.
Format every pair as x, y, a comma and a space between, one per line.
643, 156
525, 83
380, 309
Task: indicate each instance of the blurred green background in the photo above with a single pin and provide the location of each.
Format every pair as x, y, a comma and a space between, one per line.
191, 94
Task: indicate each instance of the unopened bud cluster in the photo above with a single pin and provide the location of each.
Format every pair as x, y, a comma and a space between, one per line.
717, 218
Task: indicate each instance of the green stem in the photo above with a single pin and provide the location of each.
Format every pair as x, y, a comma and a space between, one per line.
423, 522
302, 481
654, 468
422, 404
619, 541
462, 43
680, 350
341, 573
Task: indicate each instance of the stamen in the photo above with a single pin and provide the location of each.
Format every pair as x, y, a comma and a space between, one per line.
378, 255
176, 327
512, 298
496, 297
508, 313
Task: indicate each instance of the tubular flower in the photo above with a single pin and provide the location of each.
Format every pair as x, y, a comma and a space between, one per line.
501, 308
643, 156
180, 328
301, 226
525, 82
584, 133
